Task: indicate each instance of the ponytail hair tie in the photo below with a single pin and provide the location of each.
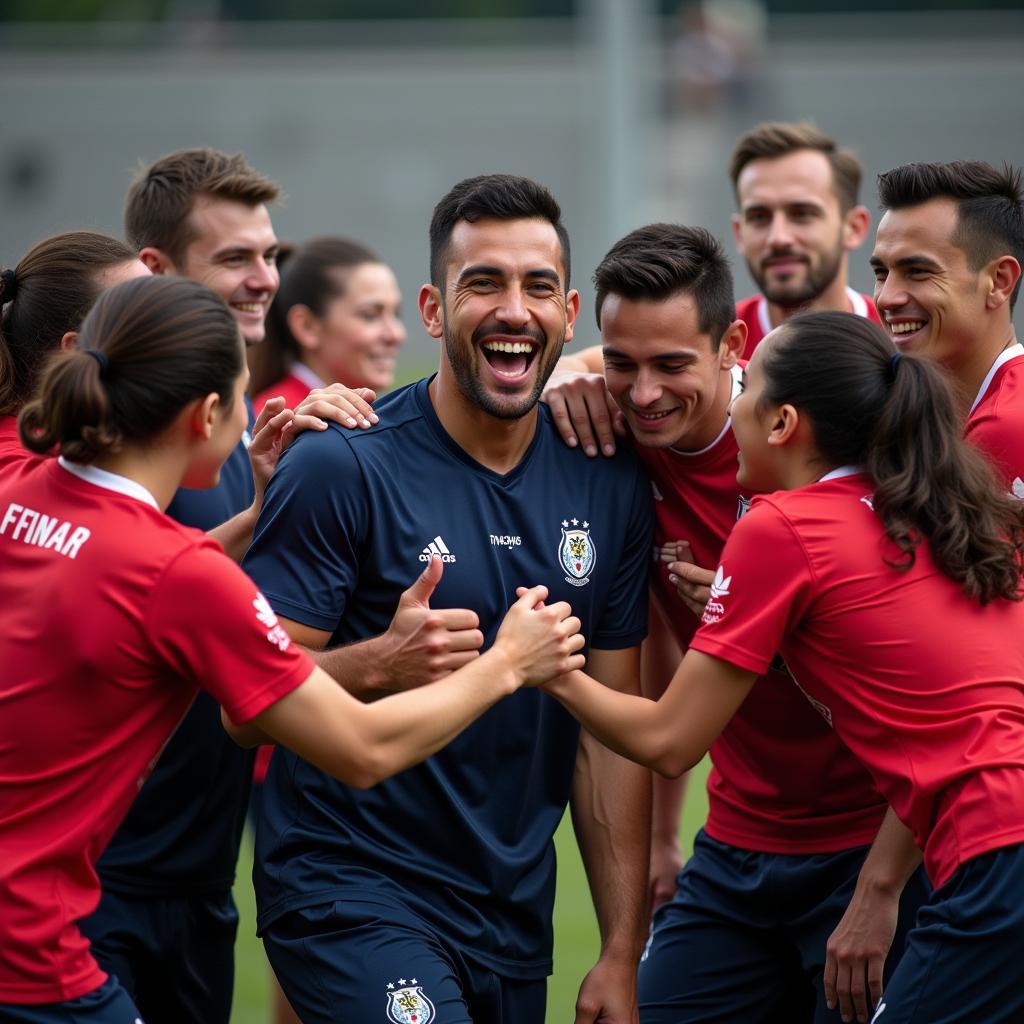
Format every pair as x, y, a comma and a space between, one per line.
894, 361
101, 359
10, 283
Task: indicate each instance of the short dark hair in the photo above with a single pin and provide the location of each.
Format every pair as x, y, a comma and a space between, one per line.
773, 139
497, 196
57, 282
660, 260
990, 205
159, 201
161, 342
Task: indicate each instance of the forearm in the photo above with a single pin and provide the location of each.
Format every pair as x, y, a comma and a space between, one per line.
360, 668
611, 811
587, 360
892, 859
235, 535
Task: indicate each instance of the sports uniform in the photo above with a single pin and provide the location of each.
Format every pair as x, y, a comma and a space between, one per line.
166, 924
437, 884
753, 311
926, 687
294, 386
12, 451
995, 423
790, 811
103, 646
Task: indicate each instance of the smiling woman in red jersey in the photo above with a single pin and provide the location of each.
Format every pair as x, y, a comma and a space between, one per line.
885, 569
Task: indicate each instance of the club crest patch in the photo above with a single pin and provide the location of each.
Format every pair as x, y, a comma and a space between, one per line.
576, 553
408, 1004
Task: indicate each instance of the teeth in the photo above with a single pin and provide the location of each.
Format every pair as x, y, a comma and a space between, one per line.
907, 328
512, 347
249, 307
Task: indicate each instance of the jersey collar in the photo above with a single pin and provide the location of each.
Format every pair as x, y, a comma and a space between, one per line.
300, 371
737, 387
840, 472
858, 305
109, 481
1001, 360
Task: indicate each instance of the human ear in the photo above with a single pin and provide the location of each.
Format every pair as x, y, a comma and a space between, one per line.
68, 340
785, 421
156, 260
432, 310
1003, 274
304, 326
572, 309
203, 417
730, 348
856, 224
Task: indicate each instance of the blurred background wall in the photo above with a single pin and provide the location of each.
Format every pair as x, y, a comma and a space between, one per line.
626, 109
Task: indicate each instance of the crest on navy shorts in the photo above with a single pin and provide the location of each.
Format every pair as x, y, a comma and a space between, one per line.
576, 552
408, 1005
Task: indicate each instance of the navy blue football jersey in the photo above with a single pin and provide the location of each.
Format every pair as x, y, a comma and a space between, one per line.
183, 830
349, 521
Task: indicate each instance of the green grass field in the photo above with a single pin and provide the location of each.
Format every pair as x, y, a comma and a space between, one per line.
575, 928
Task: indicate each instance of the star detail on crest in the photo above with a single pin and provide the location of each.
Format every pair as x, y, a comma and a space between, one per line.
565, 522
391, 985
575, 522
586, 525
401, 981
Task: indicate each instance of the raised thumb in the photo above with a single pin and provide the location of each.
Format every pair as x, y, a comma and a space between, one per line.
422, 589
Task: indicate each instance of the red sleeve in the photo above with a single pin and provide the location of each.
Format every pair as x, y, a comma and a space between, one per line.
999, 434
209, 622
761, 589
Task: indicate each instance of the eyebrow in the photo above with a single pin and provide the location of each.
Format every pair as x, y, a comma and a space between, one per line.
907, 261
682, 356
244, 250
487, 270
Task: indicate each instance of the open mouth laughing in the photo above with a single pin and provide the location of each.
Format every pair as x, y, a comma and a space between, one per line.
510, 358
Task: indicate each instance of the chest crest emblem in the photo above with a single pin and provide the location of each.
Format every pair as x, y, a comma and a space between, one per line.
576, 553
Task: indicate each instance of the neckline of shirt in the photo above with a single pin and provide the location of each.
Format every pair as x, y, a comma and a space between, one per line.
858, 305
1015, 350
109, 481
304, 375
840, 472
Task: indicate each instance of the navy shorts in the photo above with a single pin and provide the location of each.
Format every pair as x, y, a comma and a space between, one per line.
371, 962
174, 955
109, 1004
743, 941
963, 960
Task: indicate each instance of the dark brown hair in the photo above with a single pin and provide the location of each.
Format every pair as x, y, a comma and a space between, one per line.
990, 205
148, 348
896, 417
57, 282
774, 139
496, 196
661, 260
159, 202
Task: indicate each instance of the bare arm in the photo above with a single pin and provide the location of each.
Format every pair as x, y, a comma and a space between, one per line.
669, 735
587, 360
659, 659
611, 801
857, 949
361, 744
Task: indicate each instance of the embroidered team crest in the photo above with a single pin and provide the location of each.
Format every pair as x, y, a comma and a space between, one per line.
408, 1005
576, 552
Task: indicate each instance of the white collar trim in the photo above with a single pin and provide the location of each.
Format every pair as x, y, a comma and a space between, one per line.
109, 481
858, 304
1004, 357
302, 372
840, 472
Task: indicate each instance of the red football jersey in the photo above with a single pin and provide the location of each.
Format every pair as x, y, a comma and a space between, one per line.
761, 795
996, 420
298, 383
923, 684
113, 615
11, 450
754, 312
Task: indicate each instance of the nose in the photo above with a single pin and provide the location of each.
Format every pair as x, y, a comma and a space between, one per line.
889, 294
780, 234
513, 310
645, 390
394, 331
264, 277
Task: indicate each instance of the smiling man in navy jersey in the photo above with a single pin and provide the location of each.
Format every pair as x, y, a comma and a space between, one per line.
431, 895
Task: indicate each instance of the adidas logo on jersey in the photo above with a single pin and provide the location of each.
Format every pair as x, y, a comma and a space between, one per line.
265, 615
439, 548
714, 609
720, 584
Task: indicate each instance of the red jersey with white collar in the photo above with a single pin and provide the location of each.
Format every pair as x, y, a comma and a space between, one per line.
113, 615
753, 311
996, 420
761, 795
923, 684
294, 386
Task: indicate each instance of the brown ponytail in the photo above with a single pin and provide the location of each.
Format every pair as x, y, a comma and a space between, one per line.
45, 296
148, 348
896, 417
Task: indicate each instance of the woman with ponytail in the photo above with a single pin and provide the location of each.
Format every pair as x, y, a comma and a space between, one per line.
886, 570
114, 616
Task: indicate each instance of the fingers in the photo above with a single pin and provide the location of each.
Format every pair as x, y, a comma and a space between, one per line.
584, 413
271, 408
344, 406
